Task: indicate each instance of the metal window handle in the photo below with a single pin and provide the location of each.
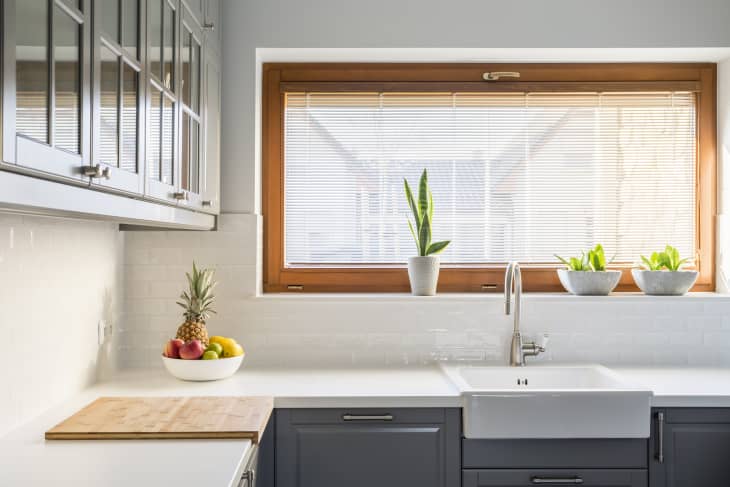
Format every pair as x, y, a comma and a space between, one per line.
367, 417
556, 480
660, 437
495, 75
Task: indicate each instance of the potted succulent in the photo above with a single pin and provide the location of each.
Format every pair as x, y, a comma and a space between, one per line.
587, 275
663, 275
423, 269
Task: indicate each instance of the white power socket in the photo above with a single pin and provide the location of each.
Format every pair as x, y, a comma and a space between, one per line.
103, 331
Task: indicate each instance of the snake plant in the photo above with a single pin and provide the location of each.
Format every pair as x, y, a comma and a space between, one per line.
423, 216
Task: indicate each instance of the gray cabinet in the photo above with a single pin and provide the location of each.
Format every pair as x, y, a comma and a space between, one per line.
367, 447
690, 447
588, 462
547, 477
118, 101
46, 80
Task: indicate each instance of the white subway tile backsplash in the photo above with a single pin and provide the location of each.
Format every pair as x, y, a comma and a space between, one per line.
58, 279
370, 330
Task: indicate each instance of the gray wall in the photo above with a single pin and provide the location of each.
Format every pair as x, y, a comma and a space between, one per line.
251, 24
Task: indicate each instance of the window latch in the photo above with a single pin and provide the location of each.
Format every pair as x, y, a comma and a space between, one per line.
495, 75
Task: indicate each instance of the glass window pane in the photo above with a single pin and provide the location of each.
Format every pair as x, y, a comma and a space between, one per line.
195, 69
155, 37
168, 119
109, 108
154, 135
110, 18
185, 156
130, 25
32, 69
129, 118
168, 43
186, 54
68, 81
194, 157
514, 176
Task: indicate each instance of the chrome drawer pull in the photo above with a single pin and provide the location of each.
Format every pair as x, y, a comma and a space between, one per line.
556, 480
367, 417
660, 435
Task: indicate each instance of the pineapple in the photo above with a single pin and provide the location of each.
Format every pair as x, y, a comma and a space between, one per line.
197, 303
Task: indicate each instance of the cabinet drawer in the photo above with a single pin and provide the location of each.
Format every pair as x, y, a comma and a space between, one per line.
551, 477
583, 453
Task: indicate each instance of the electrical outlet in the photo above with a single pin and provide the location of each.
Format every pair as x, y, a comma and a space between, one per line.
104, 331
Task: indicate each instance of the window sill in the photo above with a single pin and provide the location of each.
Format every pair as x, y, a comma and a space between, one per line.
619, 297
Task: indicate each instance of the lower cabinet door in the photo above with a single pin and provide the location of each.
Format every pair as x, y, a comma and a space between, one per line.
690, 447
553, 477
402, 448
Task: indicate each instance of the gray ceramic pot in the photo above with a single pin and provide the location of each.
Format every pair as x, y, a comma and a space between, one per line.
589, 283
423, 272
664, 283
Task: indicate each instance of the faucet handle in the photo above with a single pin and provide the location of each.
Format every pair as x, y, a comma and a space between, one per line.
542, 341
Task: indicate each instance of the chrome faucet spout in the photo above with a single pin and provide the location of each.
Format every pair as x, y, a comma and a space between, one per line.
513, 285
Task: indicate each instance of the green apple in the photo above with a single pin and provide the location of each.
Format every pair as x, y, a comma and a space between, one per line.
210, 355
215, 347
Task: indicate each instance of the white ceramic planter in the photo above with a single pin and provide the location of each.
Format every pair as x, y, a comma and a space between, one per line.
589, 283
664, 283
423, 272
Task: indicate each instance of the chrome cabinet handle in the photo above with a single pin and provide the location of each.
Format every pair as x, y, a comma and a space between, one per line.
660, 436
209, 26
556, 480
96, 172
181, 195
206, 203
247, 479
367, 417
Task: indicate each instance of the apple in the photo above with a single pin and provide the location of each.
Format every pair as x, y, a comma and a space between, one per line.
192, 350
172, 348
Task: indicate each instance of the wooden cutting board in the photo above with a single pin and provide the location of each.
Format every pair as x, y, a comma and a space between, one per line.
139, 418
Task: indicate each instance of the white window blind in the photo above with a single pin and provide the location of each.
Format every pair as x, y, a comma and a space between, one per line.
515, 176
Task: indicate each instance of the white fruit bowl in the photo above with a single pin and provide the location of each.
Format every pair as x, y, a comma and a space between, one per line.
202, 370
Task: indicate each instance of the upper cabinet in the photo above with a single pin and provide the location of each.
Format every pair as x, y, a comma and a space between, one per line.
163, 177
212, 26
118, 104
113, 95
46, 89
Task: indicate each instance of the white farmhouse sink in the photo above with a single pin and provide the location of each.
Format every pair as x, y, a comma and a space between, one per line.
536, 401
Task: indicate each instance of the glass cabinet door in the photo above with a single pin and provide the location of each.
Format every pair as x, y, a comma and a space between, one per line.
49, 115
161, 149
118, 103
191, 34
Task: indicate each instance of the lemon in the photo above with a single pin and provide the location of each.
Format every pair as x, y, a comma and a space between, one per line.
237, 350
229, 347
216, 339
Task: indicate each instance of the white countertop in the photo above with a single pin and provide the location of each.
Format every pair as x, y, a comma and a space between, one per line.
27, 459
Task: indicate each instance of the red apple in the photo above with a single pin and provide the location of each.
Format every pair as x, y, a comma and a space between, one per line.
172, 348
192, 350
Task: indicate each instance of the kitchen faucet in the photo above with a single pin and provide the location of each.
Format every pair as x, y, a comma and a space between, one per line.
519, 349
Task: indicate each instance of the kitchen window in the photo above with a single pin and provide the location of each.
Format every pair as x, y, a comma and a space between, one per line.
552, 162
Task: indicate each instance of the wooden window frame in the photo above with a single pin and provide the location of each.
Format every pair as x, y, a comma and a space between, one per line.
278, 78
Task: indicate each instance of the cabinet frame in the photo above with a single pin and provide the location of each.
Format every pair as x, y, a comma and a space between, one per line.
23, 153
120, 179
